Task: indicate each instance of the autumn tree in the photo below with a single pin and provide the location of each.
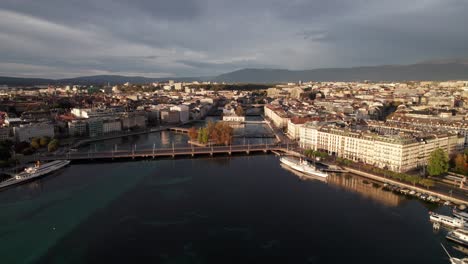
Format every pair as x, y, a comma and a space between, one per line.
461, 166
240, 111
193, 134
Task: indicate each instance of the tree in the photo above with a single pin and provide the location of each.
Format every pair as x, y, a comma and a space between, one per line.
461, 166
193, 133
427, 183
44, 141
35, 143
438, 162
5, 153
240, 111
21, 146
53, 145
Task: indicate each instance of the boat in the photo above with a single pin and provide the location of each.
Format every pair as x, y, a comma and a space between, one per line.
302, 166
34, 172
446, 220
461, 249
460, 214
455, 260
302, 175
459, 236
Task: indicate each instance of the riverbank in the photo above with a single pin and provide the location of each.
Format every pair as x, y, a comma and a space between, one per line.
443, 196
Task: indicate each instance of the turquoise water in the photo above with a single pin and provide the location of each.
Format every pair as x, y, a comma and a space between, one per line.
211, 210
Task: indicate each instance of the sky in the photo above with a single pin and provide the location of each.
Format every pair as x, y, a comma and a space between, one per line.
187, 38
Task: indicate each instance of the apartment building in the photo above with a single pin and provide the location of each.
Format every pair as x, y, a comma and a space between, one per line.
277, 115
399, 153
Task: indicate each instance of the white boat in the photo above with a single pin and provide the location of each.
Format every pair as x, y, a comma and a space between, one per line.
302, 166
455, 260
460, 214
446, 220
34, 172
459, 235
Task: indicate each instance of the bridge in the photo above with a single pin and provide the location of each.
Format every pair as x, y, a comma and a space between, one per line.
245, 135
164, 152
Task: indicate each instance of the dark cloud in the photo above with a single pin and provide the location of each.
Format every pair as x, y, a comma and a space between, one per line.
55, 38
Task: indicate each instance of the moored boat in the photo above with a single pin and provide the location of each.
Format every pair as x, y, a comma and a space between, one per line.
459, 235
34, 172
460, 214
446, 220
302, 166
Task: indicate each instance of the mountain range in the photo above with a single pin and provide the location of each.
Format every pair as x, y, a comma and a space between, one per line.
439, 70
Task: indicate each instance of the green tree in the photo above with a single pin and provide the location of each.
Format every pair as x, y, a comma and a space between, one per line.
53, 145
44, 141
35, 143
427, 183
438, 162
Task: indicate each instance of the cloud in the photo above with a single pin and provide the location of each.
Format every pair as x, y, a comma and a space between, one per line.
54, 38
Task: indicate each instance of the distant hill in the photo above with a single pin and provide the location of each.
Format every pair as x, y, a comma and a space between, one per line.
88, 80
431, 71
15, 81
439, 70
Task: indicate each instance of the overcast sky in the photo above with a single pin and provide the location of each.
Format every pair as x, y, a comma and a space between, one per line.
156, 38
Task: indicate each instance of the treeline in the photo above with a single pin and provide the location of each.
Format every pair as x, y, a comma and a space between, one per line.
310, 153
8, 147
219, 133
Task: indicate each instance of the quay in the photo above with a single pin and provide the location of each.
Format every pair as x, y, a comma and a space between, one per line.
443, 196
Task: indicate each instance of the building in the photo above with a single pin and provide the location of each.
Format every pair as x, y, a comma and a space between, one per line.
398, 153
27, 132
111, 126
5, 133
277, 115
134, 120
178, 86
92, 113
170, 117
294, 125
95, 127
77, 128
233, 118
183, 112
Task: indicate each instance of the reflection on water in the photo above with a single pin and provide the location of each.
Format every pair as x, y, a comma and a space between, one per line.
367, 188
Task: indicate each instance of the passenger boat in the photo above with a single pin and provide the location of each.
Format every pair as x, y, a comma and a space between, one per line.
460, 214
303, 166
459, 235
34, 172
446, 220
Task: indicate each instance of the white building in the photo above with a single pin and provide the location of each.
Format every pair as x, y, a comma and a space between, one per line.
233, 118
394, 152
277, 115
178, 86
183, 112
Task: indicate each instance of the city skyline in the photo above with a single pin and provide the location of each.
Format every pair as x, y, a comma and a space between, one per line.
207, 38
